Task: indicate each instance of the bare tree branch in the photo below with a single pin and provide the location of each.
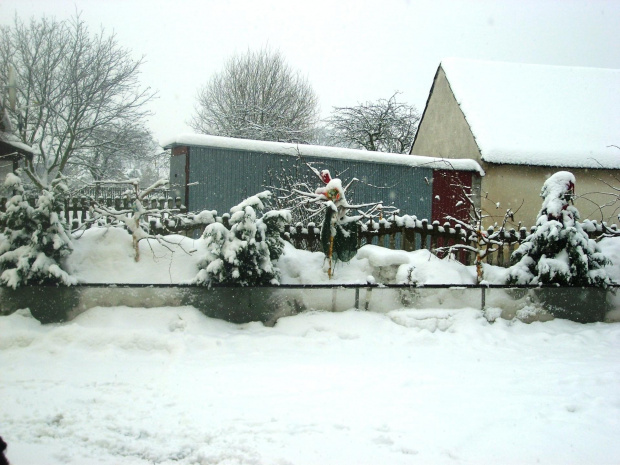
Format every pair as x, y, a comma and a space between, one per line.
381, 126
71, 84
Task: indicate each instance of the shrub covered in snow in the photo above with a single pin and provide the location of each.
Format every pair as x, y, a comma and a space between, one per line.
33, 240
244, 254
559, 251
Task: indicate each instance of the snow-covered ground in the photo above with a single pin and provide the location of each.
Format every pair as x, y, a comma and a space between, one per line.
142, 386
120, 385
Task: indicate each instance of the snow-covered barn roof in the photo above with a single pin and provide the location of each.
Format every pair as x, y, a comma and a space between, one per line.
539, 115
7, 137
13, 141
321, 151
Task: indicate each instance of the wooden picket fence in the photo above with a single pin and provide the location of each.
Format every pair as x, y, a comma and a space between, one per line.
398, 233
77, 211
408, 233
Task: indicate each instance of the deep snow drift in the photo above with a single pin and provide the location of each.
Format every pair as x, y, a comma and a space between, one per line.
121, 385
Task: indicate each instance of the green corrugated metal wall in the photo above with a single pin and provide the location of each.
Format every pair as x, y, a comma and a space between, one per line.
221, 178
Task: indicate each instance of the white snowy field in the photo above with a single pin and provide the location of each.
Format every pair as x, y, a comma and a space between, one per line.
143, 386
121, 385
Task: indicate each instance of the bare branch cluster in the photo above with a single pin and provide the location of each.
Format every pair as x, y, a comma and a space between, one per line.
124, 150
486, 241
609, 209
295, 190
135, 218
381, 126
74, 89
257, 96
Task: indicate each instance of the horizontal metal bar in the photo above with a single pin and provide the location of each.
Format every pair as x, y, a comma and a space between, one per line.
330, 286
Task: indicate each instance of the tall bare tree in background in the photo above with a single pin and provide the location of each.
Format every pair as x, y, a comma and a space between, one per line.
382, 126
124, 151
74, 89
257, 96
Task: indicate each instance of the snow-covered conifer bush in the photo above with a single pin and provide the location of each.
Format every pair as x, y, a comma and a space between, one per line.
559, 251
244, 254
33, 240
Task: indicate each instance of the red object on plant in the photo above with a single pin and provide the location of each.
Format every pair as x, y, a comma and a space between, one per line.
325, 176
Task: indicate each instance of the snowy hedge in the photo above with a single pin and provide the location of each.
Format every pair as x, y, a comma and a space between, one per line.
33, 240
244, 254
559, 251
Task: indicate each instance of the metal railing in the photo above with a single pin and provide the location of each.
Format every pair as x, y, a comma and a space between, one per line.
268, 303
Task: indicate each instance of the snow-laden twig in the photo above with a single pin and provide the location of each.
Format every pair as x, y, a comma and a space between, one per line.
480, 242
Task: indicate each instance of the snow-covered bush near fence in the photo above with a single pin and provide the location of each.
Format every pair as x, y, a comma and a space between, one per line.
245, 253
559, 251
33, 240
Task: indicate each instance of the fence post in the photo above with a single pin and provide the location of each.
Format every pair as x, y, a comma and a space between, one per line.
360, 231
424, 234
392, 236
298, 235
500, 249
408, 235
489, 253
76, 211
381, 237
434, 235
65, 203
310, 241
458, 239
512, 240
447, 238
467, 240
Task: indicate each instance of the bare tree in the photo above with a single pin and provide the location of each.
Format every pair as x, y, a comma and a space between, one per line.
381, 126
257, 96
73, 86
125, 150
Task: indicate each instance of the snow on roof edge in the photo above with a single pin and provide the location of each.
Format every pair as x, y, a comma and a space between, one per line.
289, 149
549, 96
13, 141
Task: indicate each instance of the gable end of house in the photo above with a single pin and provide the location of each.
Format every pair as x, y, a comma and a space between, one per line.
444, 130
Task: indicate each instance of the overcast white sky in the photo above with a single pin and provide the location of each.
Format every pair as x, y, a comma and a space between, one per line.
350, 51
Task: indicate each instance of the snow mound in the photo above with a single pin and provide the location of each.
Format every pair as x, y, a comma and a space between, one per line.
105, 255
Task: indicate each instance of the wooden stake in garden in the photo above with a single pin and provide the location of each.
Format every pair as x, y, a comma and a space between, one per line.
331, 253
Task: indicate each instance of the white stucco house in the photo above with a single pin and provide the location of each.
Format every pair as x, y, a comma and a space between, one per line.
522, 123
